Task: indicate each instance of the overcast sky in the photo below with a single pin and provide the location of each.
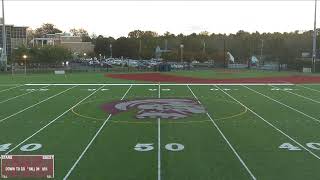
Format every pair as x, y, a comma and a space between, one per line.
112, 18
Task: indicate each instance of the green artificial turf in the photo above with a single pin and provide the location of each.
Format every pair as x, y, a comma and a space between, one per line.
242, 140
231, 74
100, 77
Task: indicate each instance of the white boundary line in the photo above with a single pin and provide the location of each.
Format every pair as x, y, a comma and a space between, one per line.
91, 141
159, 139
299, 95
169, 84
270, 124
226, 140
309, 88
296, 110
3, 119
12, 88
20, 95
53, 120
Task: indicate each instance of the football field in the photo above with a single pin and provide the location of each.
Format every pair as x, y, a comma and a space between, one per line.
165, 131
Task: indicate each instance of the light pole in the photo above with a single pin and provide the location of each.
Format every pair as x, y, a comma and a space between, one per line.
140, 49
225, 53
314, 43
4, 41
181, 54
261, 51
25, 64
166, 44
110, 50
204, 47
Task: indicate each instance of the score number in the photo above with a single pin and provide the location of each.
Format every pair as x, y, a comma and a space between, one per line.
149, 147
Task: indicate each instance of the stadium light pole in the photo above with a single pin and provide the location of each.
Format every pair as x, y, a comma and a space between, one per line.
140, 48
261, 49
4, 41
181, 54
110, 50
224, 53
25, 64
204, 47
314, 43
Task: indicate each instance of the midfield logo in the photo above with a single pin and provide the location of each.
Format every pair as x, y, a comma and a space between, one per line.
157, 108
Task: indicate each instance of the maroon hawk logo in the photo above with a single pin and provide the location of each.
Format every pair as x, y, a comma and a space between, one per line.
157, 108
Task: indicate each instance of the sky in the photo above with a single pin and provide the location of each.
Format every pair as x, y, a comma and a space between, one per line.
118, 18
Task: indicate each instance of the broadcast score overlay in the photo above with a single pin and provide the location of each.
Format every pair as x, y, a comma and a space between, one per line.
27, 166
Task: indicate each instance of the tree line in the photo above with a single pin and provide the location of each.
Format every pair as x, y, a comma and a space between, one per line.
280, 47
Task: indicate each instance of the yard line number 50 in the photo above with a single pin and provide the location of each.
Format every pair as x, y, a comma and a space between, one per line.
149, 147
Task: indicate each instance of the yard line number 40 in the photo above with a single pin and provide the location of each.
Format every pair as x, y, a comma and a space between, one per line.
27, 147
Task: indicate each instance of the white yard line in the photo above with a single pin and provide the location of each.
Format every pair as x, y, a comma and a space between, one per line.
20, 95
226, 140
296, 110
270, 124
159, 139
10, 84
41, 129
91, 141
169, 84
309, 88
12, 88
15, 97
86, 149
14, 114
126, 92
299, 95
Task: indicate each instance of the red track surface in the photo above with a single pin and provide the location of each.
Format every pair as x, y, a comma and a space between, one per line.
158, 77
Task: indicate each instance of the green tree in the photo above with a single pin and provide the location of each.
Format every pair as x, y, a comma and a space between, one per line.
43, 55
135, 34
102, 45
82, 33
46, 28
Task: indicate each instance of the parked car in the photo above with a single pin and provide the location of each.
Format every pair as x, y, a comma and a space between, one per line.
105, 64
133, 63
177, 66
117, 62
93, 62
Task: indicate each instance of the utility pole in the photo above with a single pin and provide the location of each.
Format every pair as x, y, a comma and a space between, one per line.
314, 38
4, 41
